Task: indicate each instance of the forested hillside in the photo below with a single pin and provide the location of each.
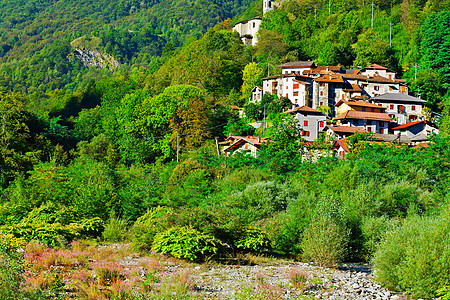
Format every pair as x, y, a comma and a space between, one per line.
90, 153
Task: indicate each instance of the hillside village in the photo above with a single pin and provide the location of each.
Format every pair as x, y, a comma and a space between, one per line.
335, 103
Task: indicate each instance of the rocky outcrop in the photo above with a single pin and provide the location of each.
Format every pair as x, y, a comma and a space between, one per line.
92, 58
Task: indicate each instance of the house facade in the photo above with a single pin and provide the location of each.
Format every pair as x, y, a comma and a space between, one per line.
417, 131
402, 108
311, 121
248, 30
256, 95
306, 84
249, 145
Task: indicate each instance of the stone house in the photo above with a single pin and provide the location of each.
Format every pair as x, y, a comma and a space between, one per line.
402, 108
311, 121
377, 70
295, 87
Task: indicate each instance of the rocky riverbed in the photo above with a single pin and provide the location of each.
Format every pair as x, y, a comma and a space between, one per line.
270, 279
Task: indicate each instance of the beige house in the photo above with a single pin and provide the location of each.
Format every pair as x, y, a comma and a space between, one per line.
245, 144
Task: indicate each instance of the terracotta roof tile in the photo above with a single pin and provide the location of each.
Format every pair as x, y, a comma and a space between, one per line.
364, 115
347, 129
360, 103
303, 109
410, 124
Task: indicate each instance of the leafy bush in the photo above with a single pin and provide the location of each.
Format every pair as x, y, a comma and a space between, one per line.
115, 230
11, 269
325, 239
147, 226
416, 256
253, 239
185, 242
372, 231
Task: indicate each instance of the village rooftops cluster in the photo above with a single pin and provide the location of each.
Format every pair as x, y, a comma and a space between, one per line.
366, 100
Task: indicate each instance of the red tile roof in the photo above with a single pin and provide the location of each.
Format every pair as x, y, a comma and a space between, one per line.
360, 103
347, 129
354, 88
364, 115
330, 78
235, 140
378, 67
344, 144
303, 109
410, 124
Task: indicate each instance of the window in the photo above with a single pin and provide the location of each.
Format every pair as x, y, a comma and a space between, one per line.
321, 124
363, 109
307, 133
369, 129
413, 107
390, 77
305, 123
391, 106
322, 84
376, 88
296, 86
295, 93
372, 110
287, 87
321, 103
321, 93
254, 25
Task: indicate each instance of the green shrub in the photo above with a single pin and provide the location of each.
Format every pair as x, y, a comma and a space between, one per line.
415, 257
147, 226
11, 269
325, 239
372, 230
253, 239
115, 230
187, 243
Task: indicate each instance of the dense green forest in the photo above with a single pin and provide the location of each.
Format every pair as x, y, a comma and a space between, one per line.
85, 149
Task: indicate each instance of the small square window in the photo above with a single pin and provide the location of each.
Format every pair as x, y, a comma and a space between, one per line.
305, 123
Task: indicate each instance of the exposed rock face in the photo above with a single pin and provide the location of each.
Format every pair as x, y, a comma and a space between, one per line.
91, 58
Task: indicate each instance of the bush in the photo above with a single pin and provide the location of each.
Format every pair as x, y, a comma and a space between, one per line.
253, 240
11, 269
116, 230
325, 239
187, 243
416, 256
372, 231
147, 226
